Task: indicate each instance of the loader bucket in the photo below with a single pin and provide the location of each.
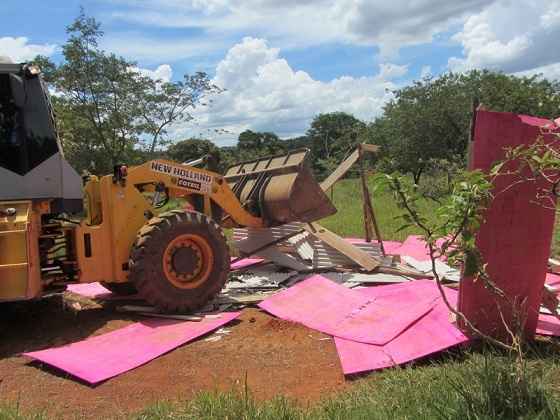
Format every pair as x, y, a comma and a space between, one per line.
280, 189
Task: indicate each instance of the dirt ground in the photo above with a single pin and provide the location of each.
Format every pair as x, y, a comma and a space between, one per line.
277, 357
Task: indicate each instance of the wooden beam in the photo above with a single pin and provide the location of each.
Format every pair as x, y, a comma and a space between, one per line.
341, 170
347, 163
360, 257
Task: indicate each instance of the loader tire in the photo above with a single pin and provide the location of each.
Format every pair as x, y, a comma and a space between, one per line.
180, 261
121, 289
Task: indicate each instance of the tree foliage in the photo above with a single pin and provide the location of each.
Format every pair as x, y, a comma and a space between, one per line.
253, 144
427, 122
107, 110
332, 136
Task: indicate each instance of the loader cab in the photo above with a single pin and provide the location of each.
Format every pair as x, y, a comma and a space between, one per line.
27, 131
32, 165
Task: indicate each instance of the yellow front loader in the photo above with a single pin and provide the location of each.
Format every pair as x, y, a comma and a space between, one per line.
113, 230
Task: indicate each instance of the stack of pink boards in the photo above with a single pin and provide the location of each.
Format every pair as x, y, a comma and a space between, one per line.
376, 327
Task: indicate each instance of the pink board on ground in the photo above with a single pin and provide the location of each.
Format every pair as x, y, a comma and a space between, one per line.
90, 290
414, 247
105, 356
430, 334
548, 325
245, 262
553, 280
391, 246
325, 306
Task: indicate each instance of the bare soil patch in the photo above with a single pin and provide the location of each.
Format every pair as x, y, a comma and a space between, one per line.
276, 357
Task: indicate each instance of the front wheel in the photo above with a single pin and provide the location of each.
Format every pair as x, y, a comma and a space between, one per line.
180, 261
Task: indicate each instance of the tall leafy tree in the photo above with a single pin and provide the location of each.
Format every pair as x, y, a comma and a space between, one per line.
191, 149
252, 144
106, 108
426, 124
332, 137
165, 103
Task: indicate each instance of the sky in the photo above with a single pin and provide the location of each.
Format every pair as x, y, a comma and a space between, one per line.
281, 62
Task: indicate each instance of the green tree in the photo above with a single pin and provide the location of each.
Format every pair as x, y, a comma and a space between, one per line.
191, 149
427, 123
332, 136
297, 143
106, 109
163, 104
253, 144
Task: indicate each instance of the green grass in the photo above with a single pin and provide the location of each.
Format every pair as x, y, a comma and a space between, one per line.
481, 384
348, 221
485, 385
13, 412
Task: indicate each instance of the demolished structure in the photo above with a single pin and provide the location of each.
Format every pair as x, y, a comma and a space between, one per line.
303, 273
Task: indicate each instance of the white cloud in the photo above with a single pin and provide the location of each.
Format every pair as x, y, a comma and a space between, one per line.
139, 47
392, 71
425, 71
264, 93
551, 71
296, 24
19, 50
511, 36
163, 72
393, 24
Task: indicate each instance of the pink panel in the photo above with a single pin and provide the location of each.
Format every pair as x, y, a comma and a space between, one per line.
323, 305
516, 235
246, 262
548, 325
430, 334
104, 356
91, 290
553, 280
391, 246
414, 247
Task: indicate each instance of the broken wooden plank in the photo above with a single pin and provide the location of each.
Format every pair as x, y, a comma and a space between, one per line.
346, 164
137, 308
371, 148
154, 312
341, 170
360, 257
243, 299
173, 316
400, 270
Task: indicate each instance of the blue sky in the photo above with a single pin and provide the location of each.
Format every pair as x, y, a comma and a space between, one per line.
282, 62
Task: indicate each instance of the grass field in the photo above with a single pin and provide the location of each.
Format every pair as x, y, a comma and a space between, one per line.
348, 221
474, 384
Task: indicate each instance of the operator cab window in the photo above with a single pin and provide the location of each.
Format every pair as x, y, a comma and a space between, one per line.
10, 132
27, 133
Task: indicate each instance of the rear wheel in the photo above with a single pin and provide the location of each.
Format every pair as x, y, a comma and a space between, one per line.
180, 261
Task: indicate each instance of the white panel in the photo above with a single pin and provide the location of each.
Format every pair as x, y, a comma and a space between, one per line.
53, 178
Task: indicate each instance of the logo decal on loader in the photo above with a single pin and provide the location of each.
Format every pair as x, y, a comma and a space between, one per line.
184, 177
